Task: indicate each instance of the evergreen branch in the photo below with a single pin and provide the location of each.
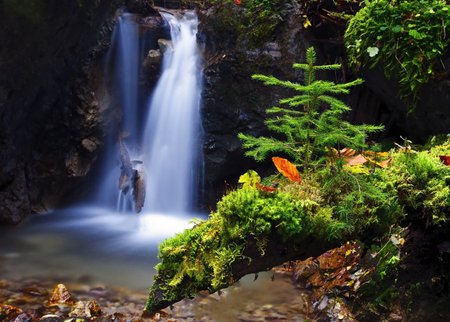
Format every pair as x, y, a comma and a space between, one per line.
328, 67
276, 109
296, 100
336, 104
301, 66
356, 82
259, 148
271, 80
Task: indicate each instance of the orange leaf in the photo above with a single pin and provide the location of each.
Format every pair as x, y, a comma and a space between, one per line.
287, 169
238, 2
265, 188
445, 159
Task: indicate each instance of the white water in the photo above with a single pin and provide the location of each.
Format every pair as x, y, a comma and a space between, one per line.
171, 144
162, 133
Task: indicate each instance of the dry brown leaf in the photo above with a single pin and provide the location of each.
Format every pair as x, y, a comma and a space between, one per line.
355, 160
347, 152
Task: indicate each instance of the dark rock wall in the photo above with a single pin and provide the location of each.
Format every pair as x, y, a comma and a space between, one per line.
49, 116
232, 101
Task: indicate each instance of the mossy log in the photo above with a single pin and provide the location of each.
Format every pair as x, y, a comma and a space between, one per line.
276, 253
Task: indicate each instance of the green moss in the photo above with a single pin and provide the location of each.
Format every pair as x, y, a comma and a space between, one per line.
407, 39
334, 203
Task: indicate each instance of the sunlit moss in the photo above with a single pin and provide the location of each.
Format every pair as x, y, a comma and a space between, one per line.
333, 204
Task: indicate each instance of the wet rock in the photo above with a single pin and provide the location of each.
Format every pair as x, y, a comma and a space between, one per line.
153, 57
165, 45
23, 317
50, 318
89, 145
144, 7
42, 111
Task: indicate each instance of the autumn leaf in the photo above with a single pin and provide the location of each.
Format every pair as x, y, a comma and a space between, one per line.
445, 159
355, 160
287, 169
238, 2
347, 152
265, 188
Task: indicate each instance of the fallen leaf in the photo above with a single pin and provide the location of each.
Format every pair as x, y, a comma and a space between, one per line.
287, 169
445, 159
60, 296
9, 312
355, 160
347, 152
94, 308
265, 188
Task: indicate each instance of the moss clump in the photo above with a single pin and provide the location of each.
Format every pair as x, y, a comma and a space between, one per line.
407, 38
201, 257
336, 203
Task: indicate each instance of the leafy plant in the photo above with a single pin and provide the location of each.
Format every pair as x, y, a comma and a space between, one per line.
407, 38
308, 127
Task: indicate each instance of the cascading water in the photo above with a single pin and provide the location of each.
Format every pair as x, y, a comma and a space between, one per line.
163, 145
173, 124
164, 141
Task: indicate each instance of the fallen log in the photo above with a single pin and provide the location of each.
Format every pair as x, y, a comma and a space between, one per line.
276, 253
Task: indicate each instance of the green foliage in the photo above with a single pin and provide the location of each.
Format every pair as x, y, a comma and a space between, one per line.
263, 17
201, 257
307, 127
407, 38
329, 205
252, 21
420, 179
249, 179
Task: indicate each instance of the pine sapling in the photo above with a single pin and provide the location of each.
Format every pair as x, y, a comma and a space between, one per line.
311, 121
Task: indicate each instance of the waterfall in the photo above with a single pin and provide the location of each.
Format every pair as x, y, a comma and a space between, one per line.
171, 143
158, 137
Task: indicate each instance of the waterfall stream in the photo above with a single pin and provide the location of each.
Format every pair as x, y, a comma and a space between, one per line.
158, 141
173, 124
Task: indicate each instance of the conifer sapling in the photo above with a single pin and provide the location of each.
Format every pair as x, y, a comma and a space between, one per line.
311, 121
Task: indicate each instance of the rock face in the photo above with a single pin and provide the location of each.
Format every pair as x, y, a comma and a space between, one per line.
49, 116
232, 101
